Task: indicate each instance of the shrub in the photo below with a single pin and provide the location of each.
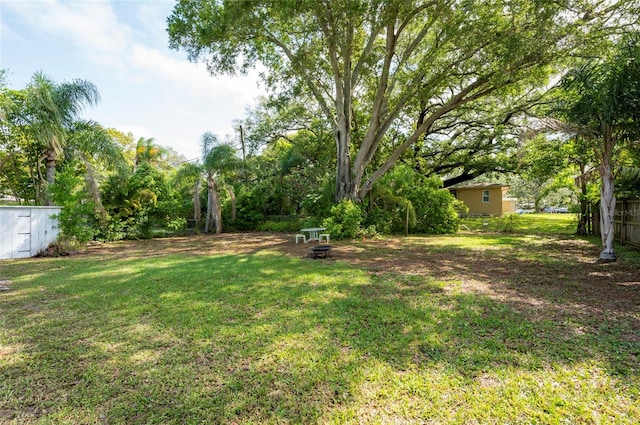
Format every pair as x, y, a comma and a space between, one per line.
435, 210
370, 232
380, 219
508, 222
344, 220
404, 194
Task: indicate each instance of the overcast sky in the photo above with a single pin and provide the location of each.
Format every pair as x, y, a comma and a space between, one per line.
122, 47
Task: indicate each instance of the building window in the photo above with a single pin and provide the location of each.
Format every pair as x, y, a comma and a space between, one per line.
485, 196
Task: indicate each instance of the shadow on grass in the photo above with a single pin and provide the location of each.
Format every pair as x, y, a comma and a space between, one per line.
253, 338
547, 280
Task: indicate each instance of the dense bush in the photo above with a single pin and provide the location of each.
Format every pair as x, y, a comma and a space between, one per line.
249, 213
380, 219
435, 209
404, 199
78, 219
344, 220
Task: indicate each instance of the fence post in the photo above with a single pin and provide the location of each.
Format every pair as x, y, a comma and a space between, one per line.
595, 220
623, 223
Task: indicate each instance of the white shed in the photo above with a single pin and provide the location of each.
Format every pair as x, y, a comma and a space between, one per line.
26, 230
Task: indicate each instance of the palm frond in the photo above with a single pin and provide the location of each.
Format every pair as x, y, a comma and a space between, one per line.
629, 174
207, 141
548, 124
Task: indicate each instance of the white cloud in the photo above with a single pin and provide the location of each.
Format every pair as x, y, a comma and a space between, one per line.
89, 25
94, 28
190, 76
152, 91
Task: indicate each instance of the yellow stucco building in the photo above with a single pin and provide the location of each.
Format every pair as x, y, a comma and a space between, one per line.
485, 198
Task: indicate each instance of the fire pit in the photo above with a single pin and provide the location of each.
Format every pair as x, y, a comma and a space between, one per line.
320, 251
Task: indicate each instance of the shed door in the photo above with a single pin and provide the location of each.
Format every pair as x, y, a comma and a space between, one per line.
21, 238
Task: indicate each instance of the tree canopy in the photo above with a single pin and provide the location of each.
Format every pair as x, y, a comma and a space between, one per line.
601, 105
387, 74
412, 95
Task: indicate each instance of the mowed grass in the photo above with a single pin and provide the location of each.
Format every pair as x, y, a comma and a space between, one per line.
268, 338
538, 223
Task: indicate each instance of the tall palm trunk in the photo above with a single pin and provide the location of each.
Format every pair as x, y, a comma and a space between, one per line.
607, 200
214, 210
218, 158
91, 184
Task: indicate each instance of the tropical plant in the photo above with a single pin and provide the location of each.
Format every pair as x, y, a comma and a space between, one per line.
90, 156
602, 108
147, 150
218, 160
51, 109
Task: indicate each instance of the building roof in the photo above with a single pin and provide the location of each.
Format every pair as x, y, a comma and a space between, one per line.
478, 186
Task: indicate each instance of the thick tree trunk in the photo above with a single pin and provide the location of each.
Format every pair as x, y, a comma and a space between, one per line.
345, 184
607, 203
345, 188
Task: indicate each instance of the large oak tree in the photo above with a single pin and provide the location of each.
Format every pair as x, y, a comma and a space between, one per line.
387, 74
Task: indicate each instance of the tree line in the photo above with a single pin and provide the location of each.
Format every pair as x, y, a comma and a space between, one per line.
421, 81
373, 107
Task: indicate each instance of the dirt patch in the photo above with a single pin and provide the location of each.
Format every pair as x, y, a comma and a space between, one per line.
558, 280
4, 284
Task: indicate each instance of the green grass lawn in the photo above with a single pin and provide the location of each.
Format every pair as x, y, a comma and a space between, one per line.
262, 337
539, 223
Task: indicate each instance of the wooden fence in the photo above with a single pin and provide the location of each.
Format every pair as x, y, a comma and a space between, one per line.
626, 223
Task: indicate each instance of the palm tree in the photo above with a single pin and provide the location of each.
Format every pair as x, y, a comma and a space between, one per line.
193, 173
92, 144
148, 151
52, 108
603, 110
218, 160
